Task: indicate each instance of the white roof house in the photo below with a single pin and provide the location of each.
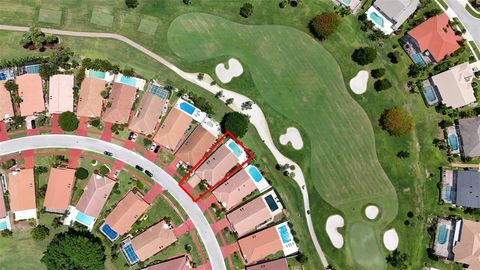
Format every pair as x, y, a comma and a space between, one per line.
60, 94
455, 86
389, 15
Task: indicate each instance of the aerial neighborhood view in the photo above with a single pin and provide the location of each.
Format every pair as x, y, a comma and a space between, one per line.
257, 135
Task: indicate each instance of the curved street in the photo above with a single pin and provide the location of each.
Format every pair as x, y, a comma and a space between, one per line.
166, 181
257, 118
470, 23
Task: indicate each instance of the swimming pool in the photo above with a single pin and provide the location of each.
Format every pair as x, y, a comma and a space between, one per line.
377, 19
418, 59
109, 232
97, 74
33, 69
442, 234
453, 141
346, 2
284, 234
130, 254
158, 91
429, 95
447, 194
128, 80
3, 76
272, 204
84, 219
3, 225
255, 174
235, 148
186, 107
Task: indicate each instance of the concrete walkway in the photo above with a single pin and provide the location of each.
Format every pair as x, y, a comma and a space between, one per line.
257, 118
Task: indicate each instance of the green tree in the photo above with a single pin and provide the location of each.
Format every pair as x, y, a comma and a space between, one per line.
364, 55
81, 173
397, 121
75, 250
187, 2
68, 121
415, 69
324, 24
377, 73
95, 122
382, 84
236, 123
397, 259
11, 86
40, 232
105, 94
246, 10
147, 142
131, 3
104, 170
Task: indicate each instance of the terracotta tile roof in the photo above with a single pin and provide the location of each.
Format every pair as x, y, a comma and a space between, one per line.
121, 97
60, 93
30, 90
153, 240
59, 190
467, 250
90, 100
259, 245
127, 211
179, 263
95, 195
280, 264
21, 188
148, 112
249, 216
173, 129
231, 192
3, 209
6, 108
436, 36
195, 146
217, 165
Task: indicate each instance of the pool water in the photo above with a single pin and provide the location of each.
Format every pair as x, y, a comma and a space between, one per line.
430, 95
158, 91
442, 234
3, 225
255, 174
453, 141
186, 107
130, 253
97, 74
284, 235
109, 232
272, 204
418, 59
129, 80
235, 149
33, 69
3, 76
346, 2
84, 219
447, 195
376, 19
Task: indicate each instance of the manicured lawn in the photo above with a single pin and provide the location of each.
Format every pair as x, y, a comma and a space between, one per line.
148, 25
472, 11
475, 48
101, 18
50, 16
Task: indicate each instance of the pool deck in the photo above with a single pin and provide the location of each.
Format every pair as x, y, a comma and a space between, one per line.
387, 24
444, 250
447, 180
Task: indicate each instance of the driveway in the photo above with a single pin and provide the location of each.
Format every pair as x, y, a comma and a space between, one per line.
166, 181
472, 24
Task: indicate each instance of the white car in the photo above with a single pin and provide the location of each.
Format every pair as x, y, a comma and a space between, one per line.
134, 137
152, 148
116, 174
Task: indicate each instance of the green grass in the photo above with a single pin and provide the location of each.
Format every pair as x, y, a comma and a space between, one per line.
443, 4
148, 25
102, 18
475, 48
50, 16
472, 11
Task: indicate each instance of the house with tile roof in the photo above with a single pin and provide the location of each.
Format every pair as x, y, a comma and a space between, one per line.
278, 264
60, 93
259, 245
59, 190
146, 117
21, 188
195, 146
90, 100
6, 107
95, 195
173, 129
179, 263
467, 249
30, 90
120, 102
215, 167
231, 192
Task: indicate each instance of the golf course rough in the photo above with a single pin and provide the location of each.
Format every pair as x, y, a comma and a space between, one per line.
302, 82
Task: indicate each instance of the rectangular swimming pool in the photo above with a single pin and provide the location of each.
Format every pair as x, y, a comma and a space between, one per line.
128, 80
418, 59
453, 141
84, 219
3, 225
130, 254
235, 148
158, 91
109, 232
429, 94
97, 74
272, 204
33, 69
442, 234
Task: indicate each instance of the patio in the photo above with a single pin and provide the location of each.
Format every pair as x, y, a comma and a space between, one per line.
443, 240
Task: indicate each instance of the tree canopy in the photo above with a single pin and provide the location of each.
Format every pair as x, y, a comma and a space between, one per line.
364, 55
324, 24
131, 3
81, 173
397, 121
40, 232
246, 10
74, 250
68, 121
236, 123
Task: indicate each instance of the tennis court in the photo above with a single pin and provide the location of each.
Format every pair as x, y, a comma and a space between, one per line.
159, 91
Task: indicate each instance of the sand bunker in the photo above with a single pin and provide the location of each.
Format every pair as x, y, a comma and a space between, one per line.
390, 239
293, 136
225, 75
333, 223
358, 84
372, 212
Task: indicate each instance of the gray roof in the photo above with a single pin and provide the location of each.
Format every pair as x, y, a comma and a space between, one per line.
467, 189
397, 11
470, 136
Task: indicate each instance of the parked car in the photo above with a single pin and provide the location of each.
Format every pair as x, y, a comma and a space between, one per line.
108, 153
147, 172
116, 174
152, 148
156, 149
130, 136
140, 168
134, 137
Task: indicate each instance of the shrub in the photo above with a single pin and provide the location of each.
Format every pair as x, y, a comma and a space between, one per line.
325, 24
415, 69
382, 84
131, 3
283, 4
187, 2
397, 121
246, 10
147, 142
95, 122
81, 173
104, 170
68, 121
105, 94
40, 232
236, 123
364, 55
378, 72
394, 57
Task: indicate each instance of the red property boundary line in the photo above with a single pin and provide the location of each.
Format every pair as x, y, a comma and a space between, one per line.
190, 172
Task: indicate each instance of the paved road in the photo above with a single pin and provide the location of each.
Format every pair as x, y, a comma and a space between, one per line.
472, 24
132, 158
257, 119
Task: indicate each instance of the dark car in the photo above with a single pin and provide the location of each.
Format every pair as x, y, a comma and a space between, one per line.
156, 149
108, 153
33, 124
140, 168
147, 172
130, 136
